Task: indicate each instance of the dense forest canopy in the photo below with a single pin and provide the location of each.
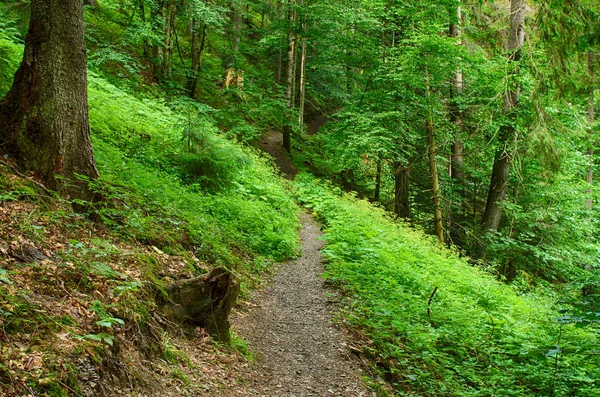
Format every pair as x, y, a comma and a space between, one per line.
473, 121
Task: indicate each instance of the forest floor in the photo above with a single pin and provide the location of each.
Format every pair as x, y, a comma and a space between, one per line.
289, 324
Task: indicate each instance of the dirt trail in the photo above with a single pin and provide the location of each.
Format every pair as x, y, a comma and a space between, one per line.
301, 351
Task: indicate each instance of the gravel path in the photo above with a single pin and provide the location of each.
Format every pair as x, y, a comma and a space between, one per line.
290, 324
272, 144
301, 352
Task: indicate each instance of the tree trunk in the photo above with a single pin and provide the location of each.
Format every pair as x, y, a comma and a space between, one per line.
456, 116
432, 153
504, 156
236, 24
157, 51
457, 174
170, 15
205, 301
290, 93
401, 203
302, 79
280, 52
377, 180
590, 112
198, 43
45, 114
143, 20
438, 220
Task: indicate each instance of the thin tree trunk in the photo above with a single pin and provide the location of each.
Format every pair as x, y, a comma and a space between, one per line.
504, 156
44, 116
198, 43
302, 79
401, 180
456, 116
457, 174
143, 20
156, 13
237, 21
432, 153
280, 52
294, 85
377, 180
170, 15
590, 112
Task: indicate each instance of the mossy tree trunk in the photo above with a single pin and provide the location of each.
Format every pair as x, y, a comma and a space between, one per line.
44, 116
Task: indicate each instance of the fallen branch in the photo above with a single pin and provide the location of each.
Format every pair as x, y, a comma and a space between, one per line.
429, 307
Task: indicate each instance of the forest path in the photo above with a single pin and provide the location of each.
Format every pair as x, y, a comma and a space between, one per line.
290, 325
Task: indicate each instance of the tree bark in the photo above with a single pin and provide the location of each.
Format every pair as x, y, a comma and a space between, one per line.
401, 201
44, 116
504, 156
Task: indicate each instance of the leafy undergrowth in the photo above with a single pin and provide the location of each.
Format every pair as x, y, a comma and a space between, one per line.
434, 325
78, 298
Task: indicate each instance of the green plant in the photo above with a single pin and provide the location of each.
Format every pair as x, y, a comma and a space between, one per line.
472, 336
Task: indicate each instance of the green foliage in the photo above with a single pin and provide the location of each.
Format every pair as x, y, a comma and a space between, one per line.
169, 165
439, 325
10, 53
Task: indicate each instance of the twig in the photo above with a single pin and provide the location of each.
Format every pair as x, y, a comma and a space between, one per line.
491, 333
429, 307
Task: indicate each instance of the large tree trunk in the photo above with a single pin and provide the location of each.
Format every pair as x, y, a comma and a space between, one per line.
504, 156
44, 116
